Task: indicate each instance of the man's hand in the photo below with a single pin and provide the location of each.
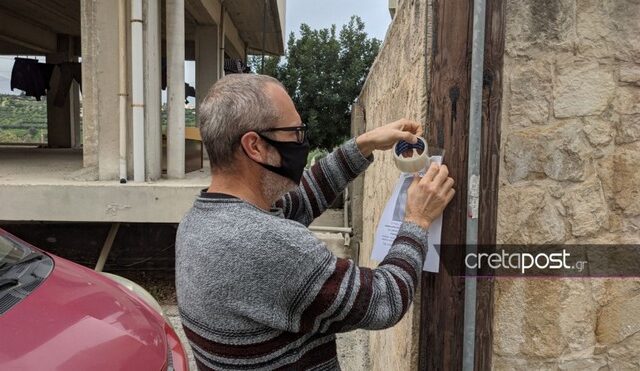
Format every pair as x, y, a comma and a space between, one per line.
386, 136
428, 196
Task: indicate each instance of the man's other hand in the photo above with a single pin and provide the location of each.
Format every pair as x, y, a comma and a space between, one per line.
427, 196
386, 136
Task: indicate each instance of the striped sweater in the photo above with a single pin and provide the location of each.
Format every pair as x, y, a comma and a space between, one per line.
258, 291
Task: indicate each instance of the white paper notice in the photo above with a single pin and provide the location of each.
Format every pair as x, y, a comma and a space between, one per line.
391, 220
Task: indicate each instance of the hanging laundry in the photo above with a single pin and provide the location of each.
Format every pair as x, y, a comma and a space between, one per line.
27, 76
235, 66
189, 91
46, 70
163, 73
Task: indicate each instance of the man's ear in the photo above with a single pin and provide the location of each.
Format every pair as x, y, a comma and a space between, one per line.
253, 147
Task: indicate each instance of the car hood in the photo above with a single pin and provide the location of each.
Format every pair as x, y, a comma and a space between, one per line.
78, 319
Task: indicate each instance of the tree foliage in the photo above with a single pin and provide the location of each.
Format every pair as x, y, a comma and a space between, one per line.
324, 73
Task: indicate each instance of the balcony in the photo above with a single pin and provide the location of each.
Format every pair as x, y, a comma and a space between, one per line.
51, 185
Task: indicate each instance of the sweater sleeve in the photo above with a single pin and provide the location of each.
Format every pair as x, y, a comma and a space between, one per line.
323, 182
337, 295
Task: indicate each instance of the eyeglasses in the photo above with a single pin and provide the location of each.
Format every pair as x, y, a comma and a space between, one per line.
301, 131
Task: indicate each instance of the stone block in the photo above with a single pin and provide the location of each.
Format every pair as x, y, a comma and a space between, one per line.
509, 312
626, 178
559, 320
624, 355
629, 72
527, 214
598, 131
577, 311
586, 208
559, 152
542, 24
619, 320
566, 159
609, 28
582, 88
628, 129
627, 100
588, 363
542, 328
531, 92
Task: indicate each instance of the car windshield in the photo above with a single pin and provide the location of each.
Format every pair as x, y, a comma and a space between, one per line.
10, 251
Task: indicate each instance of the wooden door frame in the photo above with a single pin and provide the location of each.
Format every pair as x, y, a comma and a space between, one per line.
442, 294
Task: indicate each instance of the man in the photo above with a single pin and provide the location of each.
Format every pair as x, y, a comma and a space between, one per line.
256, 289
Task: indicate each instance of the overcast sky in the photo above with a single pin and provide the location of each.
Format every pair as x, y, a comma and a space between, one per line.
324, 13
315, 13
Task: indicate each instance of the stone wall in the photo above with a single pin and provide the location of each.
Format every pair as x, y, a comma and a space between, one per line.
395, 89
570, 173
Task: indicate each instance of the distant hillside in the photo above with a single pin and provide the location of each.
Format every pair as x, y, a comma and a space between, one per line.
189, 116
16, 110
24, 120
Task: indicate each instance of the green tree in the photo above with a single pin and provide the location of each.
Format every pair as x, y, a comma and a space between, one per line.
324, 73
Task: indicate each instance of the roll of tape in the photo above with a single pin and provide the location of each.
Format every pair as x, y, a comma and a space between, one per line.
414, 163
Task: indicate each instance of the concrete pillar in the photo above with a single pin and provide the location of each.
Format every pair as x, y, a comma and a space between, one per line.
175, 88
207, 61
74, 99
137, 90
222, 40
152, 89
74, 115
59, 126
99, 30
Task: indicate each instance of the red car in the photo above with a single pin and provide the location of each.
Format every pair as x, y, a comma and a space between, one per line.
58, 315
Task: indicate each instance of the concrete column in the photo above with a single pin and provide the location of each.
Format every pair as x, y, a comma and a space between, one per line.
152, 89
222, 40
207, 61
137, 90
59, 118
175, 88
74, 99
74, 115
100, 86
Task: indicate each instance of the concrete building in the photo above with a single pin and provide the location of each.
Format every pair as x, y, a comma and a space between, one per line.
107, 165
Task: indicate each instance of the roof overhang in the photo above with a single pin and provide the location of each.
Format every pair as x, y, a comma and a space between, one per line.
259, 24
30, 26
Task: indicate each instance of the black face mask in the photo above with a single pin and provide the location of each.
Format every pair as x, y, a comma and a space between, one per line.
293, 156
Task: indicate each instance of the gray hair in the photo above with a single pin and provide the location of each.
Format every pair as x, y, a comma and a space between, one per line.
235, 104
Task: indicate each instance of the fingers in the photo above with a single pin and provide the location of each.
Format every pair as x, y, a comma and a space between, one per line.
442, 175
410, 126
450, 194
408, 137
447, 185
398, 135
431, 172
416, 180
